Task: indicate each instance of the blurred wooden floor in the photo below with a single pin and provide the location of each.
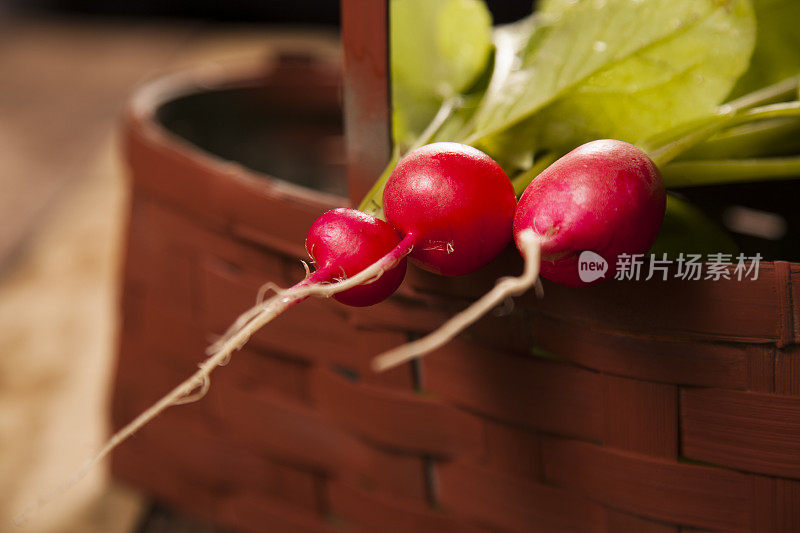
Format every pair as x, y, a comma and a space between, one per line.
63, 84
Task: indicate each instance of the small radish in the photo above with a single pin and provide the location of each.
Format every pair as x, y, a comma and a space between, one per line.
343, 242
605, 196
454, 208
455, 203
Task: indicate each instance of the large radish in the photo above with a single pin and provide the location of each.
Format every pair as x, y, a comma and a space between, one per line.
455, 203
605, 196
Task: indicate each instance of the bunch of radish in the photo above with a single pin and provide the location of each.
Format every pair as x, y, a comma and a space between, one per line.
452, 209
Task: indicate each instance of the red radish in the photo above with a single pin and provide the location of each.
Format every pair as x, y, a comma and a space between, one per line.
455, 203
343, 242
605, 196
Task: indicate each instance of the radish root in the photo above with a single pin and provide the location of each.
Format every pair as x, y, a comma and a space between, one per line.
197, 385
530, 244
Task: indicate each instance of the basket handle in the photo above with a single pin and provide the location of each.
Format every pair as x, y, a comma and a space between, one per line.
367, 115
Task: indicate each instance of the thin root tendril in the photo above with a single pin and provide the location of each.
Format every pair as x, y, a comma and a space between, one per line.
505, 288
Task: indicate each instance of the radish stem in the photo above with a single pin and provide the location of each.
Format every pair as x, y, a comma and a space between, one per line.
445, 112
768, 95
508, 286
521, 181
666, 147
691, 173
757, 139
726, 118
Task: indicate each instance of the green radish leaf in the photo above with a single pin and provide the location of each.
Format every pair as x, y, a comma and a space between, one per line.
617, 68
777, 51
438, 48
687, 230
514, 147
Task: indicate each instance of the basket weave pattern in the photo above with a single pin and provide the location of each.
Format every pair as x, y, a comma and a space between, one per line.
654, 406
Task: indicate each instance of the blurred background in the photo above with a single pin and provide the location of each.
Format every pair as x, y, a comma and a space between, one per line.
67, 67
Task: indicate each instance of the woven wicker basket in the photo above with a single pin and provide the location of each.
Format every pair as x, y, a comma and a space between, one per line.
647, 406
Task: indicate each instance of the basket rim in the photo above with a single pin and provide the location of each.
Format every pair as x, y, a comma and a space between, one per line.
139, 115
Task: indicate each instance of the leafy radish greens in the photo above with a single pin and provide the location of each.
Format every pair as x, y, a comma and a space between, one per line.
621, 69
656, 73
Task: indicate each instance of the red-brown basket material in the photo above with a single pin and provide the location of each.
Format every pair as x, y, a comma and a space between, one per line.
664, 406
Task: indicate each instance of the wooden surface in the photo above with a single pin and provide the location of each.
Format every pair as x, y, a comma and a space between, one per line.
62, 197
62, 88
64, 85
